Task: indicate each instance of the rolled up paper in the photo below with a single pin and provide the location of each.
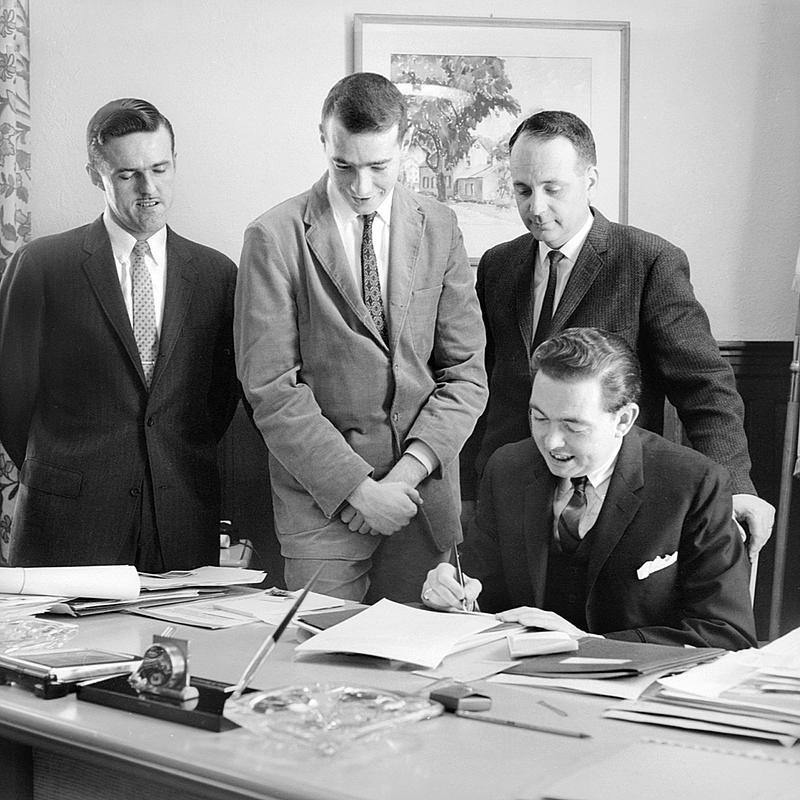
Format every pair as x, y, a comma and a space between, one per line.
111, 582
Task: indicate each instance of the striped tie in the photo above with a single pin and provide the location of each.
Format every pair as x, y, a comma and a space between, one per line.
570, 517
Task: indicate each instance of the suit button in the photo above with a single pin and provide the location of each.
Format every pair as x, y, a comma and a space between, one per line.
150, 422
135, 491
395, 416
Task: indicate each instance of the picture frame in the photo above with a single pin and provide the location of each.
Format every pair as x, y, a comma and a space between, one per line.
471, 80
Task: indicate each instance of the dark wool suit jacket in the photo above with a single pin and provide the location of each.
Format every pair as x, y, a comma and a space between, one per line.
662, 499
76, 416
635, 284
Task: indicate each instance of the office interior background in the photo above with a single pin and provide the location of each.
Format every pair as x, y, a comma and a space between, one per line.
714, 161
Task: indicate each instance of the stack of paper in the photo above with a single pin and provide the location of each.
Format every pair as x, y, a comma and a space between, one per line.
394, 631
268, 606
754, 693
179, 586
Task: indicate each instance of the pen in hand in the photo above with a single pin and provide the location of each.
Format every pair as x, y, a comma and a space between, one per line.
460, 575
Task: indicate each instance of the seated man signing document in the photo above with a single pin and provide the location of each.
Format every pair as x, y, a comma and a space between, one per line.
597, 526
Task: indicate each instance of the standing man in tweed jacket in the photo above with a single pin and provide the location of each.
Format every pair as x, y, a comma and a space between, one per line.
605, 275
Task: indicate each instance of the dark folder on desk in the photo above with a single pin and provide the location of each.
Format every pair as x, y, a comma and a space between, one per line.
610, 658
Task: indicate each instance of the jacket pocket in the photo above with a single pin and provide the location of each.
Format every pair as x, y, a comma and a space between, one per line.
422, 318
50, 479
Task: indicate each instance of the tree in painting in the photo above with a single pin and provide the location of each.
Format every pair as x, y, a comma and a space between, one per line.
450, 96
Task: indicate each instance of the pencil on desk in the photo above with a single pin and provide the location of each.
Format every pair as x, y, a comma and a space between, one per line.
512, 723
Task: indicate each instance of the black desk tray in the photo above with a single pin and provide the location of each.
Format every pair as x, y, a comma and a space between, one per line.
206, 714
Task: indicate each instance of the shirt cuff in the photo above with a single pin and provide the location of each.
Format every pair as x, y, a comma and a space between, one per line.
423, 454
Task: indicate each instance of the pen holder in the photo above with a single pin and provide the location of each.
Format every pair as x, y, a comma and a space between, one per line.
205, 711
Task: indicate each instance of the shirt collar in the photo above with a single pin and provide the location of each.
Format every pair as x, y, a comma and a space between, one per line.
572, 247
343, 211
122, 241
597, 477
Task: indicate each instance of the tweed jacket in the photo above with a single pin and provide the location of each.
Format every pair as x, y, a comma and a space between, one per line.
635, 284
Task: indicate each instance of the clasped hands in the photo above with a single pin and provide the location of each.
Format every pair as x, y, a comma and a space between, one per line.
442, 591
384, 507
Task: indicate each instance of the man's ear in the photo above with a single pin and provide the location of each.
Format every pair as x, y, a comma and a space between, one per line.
592, 179
94, 177
626, 416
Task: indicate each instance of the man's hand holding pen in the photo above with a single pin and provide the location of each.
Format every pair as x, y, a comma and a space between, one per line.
442, 590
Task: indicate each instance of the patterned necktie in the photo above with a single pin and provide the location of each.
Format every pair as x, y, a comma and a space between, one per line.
571, 516
546, 314
144, 310
370, 284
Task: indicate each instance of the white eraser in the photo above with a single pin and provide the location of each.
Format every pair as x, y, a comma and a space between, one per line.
538, 643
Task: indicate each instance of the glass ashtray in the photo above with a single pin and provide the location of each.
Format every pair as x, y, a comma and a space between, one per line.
30, 633
327, 716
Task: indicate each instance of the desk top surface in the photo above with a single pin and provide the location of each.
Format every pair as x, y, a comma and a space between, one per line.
439, 758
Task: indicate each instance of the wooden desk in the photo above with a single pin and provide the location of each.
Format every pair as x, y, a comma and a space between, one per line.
85, 751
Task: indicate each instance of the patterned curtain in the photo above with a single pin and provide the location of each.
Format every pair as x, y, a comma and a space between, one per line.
15, 177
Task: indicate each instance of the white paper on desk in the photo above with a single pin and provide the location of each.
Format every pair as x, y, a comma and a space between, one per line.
271, 609
17, 606
622, 688
110, 582
391, 630
710, 680
202, 576
200, 614
664, 771
659, 713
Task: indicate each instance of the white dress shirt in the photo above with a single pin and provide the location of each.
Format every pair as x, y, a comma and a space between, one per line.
122, 244
596, 489
570, 251
351, 228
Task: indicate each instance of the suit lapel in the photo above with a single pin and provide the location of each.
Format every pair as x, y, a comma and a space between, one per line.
324, 241
181, 280
620, 506
523, 272
405, 238
101, 272
537, 522
591, 260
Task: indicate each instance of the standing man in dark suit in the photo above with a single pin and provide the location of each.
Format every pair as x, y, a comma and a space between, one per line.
578, 269
594, 525
360, 348
118, 375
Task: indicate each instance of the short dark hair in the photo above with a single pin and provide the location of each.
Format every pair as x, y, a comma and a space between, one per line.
581, 353
550, 124
365, 102
120, 117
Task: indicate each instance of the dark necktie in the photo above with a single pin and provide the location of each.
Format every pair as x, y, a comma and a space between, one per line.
571, 516
144, 310
546, 314
370, 283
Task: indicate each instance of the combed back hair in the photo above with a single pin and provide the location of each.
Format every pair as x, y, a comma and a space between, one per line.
550, 124
121, 117
580, 353
366, 102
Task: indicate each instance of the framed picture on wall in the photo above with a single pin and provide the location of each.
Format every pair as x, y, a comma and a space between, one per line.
470, 81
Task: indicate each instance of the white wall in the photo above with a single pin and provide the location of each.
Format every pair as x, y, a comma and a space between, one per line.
714, 133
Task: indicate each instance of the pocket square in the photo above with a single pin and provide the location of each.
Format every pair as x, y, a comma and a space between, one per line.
658, 563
